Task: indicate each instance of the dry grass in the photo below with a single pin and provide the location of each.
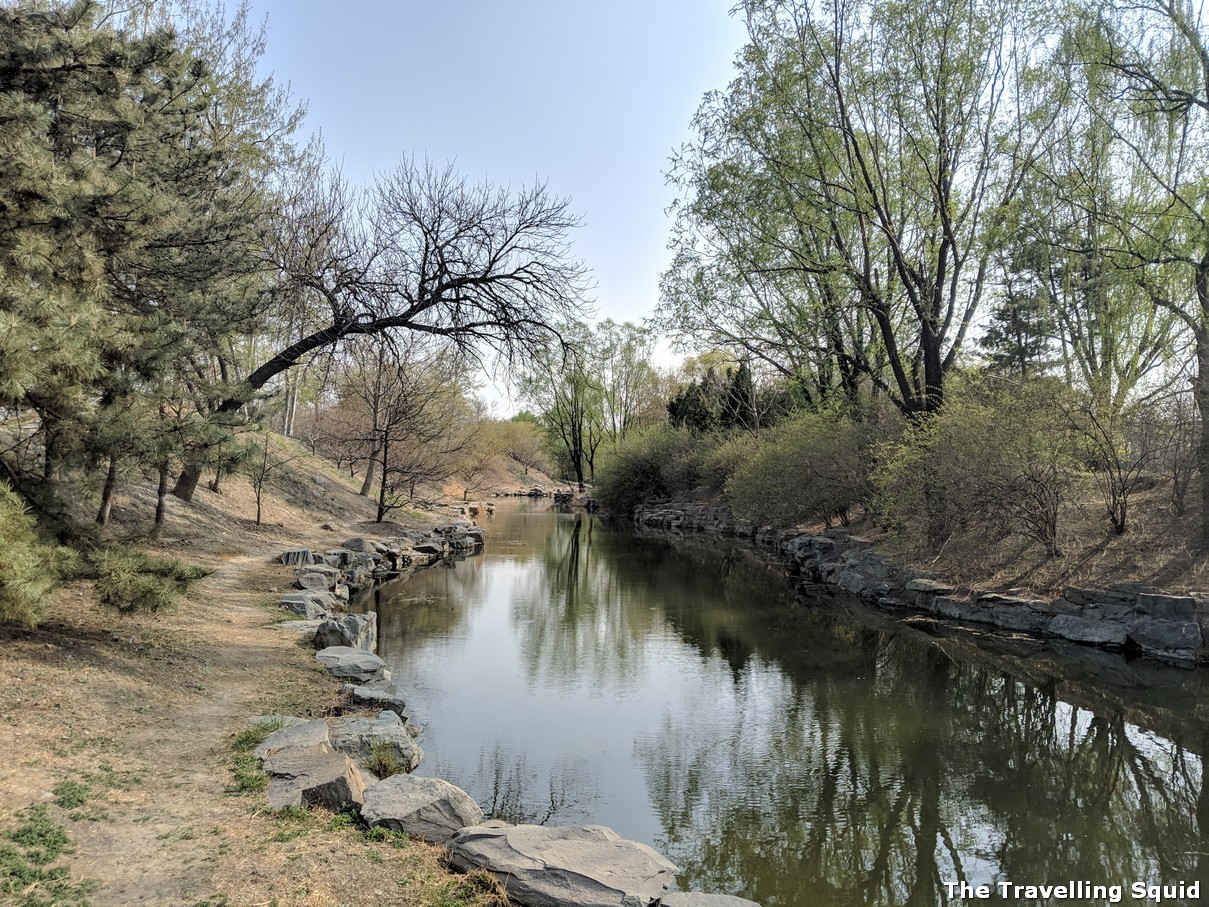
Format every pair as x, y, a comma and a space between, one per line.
130, 718
1159, 549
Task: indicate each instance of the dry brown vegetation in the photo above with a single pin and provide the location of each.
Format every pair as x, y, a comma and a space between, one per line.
120, 726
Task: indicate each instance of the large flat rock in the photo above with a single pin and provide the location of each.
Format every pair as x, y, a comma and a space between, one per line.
351, 663
581, 865
301, 734
697, 899
428, 808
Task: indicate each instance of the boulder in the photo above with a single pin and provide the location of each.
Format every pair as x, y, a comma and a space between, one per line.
427, 808
961, 609
311, 604
364, 546
351, 664
293, 736
585, 865
319, 582
360, 631
1168, 607
381, 698
386, 734
1088, 630
1155, 635
298, 556
313, 776
697, 899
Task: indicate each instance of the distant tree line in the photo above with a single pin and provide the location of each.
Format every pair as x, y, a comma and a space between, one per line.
957, 257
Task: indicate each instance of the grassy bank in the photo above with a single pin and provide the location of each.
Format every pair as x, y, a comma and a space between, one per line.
121, 784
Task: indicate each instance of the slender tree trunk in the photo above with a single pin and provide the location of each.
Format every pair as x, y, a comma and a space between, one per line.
370, 472
111, 482
216, 482
382, 483
1200, 393
161, 499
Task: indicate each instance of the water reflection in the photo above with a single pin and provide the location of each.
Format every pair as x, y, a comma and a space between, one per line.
791, 753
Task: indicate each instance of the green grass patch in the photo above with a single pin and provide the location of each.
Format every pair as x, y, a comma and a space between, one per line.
29, 868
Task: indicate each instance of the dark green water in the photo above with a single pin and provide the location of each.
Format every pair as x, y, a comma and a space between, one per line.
786, 750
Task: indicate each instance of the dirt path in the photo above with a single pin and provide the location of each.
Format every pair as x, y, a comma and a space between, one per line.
122, 726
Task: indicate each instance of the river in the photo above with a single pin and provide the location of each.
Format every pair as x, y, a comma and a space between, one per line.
794, 751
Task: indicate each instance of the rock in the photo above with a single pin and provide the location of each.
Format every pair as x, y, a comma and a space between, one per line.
697, 899
381, 698
427, 808
320, 582
929, 586
1155, 635
1079, 596
961, 609
351, 664
311, 604
360, 631
297, 556
1087, 630
305, 734
585, 865
1169, 607
360, 737
1011, 612
313, 776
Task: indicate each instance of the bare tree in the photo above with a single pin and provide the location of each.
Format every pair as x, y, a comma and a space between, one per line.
424, 251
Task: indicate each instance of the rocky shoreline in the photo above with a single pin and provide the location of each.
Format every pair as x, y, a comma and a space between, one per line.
360, 760
1131, 618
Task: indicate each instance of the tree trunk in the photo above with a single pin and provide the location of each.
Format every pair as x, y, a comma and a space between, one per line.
382, 484
370, 471
111, 482
187, 483
216, 482
1200, 393
161, 500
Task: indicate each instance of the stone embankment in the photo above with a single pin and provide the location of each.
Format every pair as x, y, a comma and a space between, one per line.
362, 762
1124, 617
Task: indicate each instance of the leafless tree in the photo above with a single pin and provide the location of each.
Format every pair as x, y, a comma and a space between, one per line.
425, 251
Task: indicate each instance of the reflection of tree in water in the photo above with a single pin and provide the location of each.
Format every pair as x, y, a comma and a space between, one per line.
946, 771
430, 603
513, 792
574, 617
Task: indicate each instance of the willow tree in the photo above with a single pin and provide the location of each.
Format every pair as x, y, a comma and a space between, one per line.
1155, 57
841, 192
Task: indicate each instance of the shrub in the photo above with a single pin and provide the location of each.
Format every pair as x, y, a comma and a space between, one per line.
658, 462
996, 460
130, 581
811, 467
29, 569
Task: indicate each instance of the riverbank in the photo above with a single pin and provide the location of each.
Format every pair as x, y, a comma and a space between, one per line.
118, 729
1134, 618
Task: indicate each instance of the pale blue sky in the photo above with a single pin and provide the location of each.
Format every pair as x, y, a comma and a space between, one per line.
590, 97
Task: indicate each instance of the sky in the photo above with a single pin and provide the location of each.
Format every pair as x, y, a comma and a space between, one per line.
589, 97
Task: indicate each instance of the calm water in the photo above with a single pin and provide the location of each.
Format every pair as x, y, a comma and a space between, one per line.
782, 750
